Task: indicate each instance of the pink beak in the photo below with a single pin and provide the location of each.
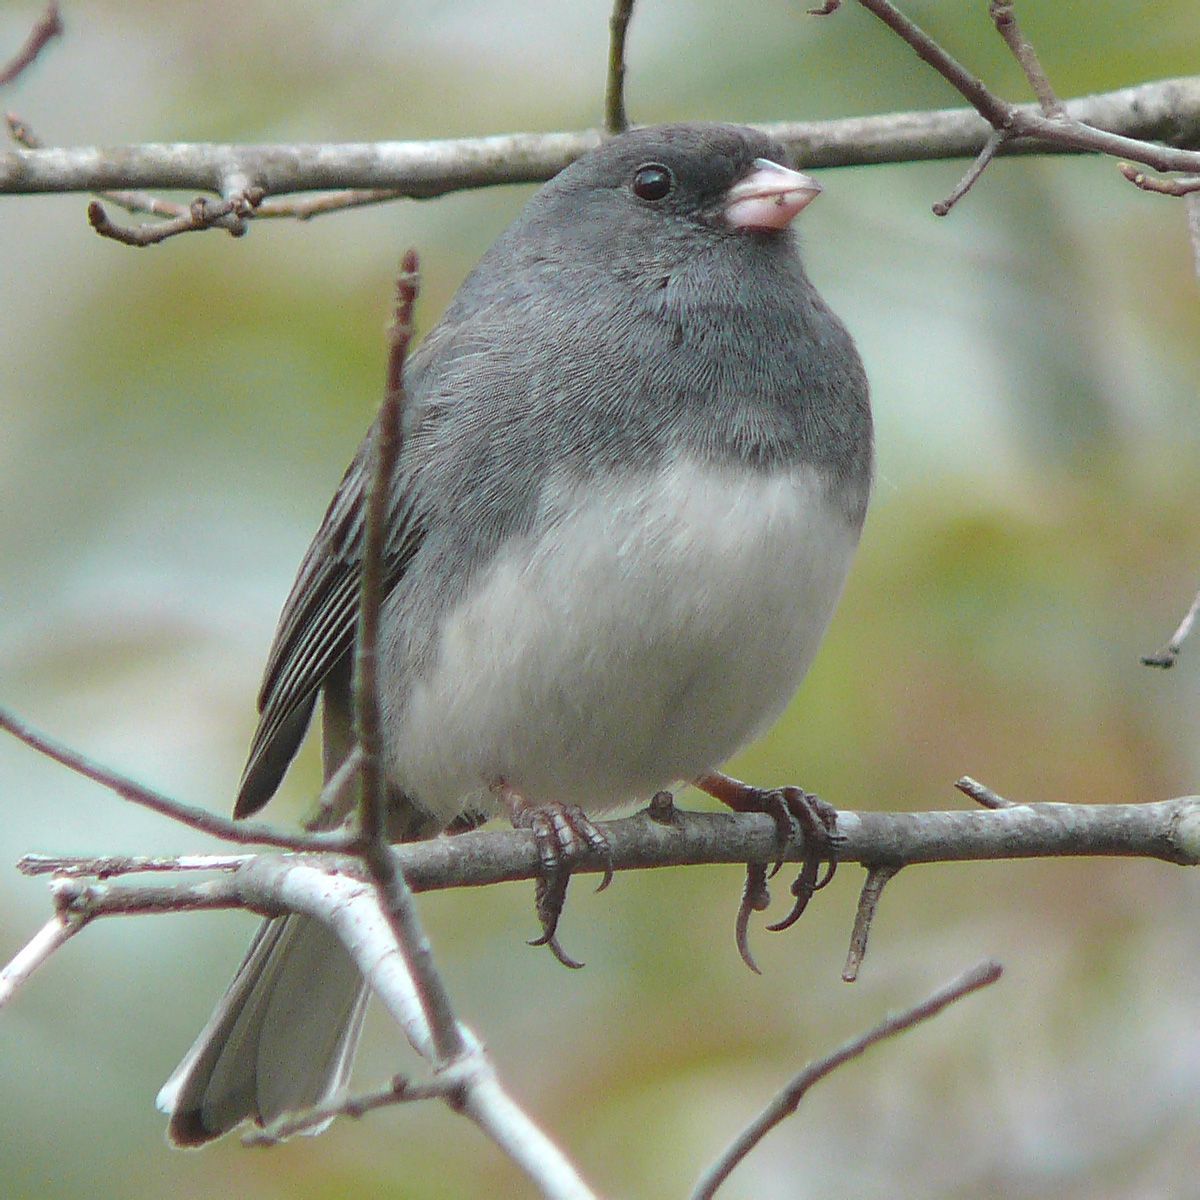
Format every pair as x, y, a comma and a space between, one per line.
769, 197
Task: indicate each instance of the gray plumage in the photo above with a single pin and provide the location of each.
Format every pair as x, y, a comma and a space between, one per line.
635, 459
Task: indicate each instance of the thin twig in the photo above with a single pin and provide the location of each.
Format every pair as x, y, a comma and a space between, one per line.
788, 1100
398, 1090
1051, 120
616, 120
315, 206
1166, 657
48, 27
1183, 185
242, 832
335, 800
55, 933
868, 901
394, 891
991, 148
994, 111
982, 794
1005, 19
229, 214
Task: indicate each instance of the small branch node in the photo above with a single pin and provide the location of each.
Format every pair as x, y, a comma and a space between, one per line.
982, 794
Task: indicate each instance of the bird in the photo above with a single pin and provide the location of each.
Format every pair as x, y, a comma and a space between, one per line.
635, 459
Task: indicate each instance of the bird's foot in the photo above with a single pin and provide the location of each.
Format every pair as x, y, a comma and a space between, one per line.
564, 835
794, 811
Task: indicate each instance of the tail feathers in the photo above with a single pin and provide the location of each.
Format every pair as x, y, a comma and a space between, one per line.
282, 1039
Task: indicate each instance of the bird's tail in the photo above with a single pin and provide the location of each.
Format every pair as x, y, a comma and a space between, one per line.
282, 1039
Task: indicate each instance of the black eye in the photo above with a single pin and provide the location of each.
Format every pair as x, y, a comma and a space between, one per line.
652, 182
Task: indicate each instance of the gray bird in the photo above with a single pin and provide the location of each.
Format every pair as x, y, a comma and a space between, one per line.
635, 460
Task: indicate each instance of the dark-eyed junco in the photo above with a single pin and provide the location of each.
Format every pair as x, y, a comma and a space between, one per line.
635, 460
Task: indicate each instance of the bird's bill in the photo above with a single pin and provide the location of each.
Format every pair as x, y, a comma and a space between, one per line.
769, 197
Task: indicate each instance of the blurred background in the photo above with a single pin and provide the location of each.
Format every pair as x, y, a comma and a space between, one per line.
174, 420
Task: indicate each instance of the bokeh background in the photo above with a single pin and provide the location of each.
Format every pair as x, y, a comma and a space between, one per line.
174, 420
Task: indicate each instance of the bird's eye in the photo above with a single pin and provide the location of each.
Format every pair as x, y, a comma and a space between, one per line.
652, 182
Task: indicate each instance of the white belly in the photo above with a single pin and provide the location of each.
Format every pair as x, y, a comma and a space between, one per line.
642, 642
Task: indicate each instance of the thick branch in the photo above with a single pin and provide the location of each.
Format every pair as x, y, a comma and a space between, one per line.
1167, 111
1168, 831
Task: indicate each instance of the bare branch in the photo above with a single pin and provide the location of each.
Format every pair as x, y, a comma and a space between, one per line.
1051, 121
398, 1090
1184, 185
78, 867
868, 901
1166, 112
48, 27
616, 120
788, 1100
55, 933
242, 832
202, 213
1166, 657
395, 894
990, 107
1005, 19
990, 149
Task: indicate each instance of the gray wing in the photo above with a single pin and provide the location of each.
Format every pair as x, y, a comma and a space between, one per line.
317, 625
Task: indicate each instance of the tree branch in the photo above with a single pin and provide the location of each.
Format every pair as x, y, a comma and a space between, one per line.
1167, 112
244, 832
1166, 830
616, 120
788, 1100
48, 27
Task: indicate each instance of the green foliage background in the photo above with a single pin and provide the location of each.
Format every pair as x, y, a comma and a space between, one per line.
174, 420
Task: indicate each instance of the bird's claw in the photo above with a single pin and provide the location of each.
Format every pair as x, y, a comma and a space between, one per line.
563, 834
794, 811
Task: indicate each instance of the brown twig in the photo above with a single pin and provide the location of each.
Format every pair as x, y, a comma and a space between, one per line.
991, 148
229, 214
1166, 657
1184, 185
994, 111
244, 833
788, 1100
877, 879
1005, 19
981, 794
448, 1042
398, 1090
316, 206
1050, 122
616, 120
48, 27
